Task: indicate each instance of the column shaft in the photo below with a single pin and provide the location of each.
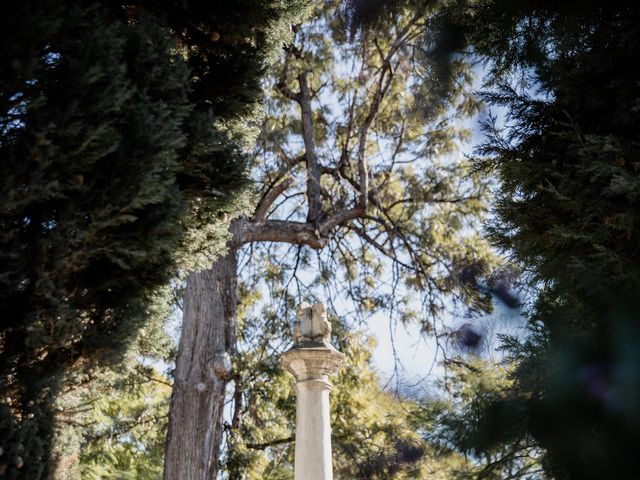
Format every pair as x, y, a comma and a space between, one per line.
311, 360
313, 431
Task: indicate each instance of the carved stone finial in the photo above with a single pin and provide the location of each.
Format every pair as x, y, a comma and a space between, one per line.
311, 324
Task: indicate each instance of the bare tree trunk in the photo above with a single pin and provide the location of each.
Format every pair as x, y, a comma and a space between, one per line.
203, 368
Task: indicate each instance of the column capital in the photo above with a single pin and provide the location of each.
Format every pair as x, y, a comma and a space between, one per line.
312, 361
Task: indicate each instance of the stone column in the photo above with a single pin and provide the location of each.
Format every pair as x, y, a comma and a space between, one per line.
311, 360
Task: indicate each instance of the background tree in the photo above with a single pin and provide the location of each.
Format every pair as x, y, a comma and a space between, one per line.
347, 165
111, 419
123, 427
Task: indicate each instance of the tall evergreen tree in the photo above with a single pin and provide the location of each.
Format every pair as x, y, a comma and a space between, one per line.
569, 211
123, 133
91, 130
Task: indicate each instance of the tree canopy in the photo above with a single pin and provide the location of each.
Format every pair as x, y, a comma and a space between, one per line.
143, 142
361, 198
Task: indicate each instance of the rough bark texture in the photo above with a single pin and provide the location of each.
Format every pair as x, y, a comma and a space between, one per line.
203, 368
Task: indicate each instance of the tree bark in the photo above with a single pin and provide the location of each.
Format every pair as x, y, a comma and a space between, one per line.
203, 369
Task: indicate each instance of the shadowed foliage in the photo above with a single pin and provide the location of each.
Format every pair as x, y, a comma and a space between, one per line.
123, 138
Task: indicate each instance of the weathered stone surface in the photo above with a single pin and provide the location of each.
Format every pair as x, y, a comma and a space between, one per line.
311, 324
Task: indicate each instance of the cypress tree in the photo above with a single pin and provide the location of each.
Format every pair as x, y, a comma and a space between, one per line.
569, 212
91, 129
123, 133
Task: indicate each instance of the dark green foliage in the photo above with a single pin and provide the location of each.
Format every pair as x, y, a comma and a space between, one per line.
228, 46
90, 211
569, 211
464, 420
123, 134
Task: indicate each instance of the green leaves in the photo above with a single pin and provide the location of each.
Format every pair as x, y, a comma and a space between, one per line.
124, 432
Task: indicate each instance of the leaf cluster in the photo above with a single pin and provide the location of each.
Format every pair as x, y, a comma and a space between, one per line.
374, 112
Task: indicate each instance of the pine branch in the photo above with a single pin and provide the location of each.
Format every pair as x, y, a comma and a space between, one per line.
269, 197
313, 167
272, 443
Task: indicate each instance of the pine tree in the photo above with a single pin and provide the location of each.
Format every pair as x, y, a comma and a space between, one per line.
124, 426
335, 214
